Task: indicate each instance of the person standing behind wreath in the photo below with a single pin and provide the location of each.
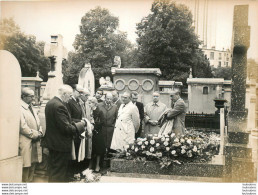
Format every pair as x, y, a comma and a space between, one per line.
153, 111
127, 124
59, 134
177, 113
139, 105
30, 134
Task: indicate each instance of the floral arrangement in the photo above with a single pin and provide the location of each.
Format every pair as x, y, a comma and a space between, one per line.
192, 147
86, 177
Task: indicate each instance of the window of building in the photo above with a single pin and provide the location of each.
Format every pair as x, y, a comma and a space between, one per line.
212, 55
219, 63
205, 90
219, 56
226, 64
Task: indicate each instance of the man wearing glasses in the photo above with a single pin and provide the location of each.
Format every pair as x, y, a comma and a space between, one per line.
30, 134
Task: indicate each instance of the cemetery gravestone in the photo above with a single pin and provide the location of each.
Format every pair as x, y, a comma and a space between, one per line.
10, 97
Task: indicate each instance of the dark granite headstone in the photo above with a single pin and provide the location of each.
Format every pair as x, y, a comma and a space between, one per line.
239, 166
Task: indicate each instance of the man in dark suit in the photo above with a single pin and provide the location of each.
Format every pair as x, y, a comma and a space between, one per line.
59, 134
76, 113
139, 105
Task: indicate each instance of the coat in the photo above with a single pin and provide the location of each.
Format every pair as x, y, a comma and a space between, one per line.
127, 124
59, 127
30, 129
153, 112
108, 117
178, 113
140, 107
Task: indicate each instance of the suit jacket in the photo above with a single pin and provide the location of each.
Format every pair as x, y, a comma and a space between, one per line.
140, 107
75, 110
59, 127
108, 117
178, 113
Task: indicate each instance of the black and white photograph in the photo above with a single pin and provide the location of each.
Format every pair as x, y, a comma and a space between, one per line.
135, 91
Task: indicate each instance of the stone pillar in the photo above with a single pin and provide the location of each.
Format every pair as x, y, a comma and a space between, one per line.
239, 165
10, 90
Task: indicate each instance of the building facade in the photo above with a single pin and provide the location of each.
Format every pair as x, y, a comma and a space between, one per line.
218, 58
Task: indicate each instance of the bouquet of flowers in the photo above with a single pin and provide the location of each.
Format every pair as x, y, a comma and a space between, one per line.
86, 177
169, 149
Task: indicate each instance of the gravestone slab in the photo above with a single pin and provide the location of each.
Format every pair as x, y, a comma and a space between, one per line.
10, 95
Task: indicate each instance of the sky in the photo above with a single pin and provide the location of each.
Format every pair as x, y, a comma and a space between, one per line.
46, 18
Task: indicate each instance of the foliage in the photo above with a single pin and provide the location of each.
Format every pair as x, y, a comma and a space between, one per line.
252, 69
24, 47
167, 41
98, 43
191, 147
222, 72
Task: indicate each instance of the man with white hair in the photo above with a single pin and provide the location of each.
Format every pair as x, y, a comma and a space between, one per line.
59, 134
127, 124
30, 134
153, 111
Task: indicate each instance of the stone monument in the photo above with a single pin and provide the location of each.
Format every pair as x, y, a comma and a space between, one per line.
56, 53
87, 79
10, 90
239, 165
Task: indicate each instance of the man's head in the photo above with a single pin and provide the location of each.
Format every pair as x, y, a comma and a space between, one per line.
99, 94
65, 93
85, 95
108, 98
27, 95
155, 96
126, 97
77, 91
134, 96
174, 96
92, 101
115, 95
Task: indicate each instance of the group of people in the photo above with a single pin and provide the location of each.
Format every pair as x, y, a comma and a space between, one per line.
81, 130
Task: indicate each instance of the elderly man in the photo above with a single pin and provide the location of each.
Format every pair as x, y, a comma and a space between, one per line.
30, 134
116, 99
108, 116
127, 124
139, 105
153, 111
59, 134
177, 113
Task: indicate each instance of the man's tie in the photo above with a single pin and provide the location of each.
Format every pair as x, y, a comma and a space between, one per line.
31, 111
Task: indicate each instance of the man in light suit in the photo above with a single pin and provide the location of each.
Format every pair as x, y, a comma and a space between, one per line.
59, 134
177, 113
127, 124
30, 134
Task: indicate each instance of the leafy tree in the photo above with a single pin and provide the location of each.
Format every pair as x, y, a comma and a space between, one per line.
24, 47
222, 72
167, 41
98, 43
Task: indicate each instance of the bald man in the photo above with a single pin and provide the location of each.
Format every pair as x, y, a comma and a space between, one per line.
127, 124
60, 130
153, 111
